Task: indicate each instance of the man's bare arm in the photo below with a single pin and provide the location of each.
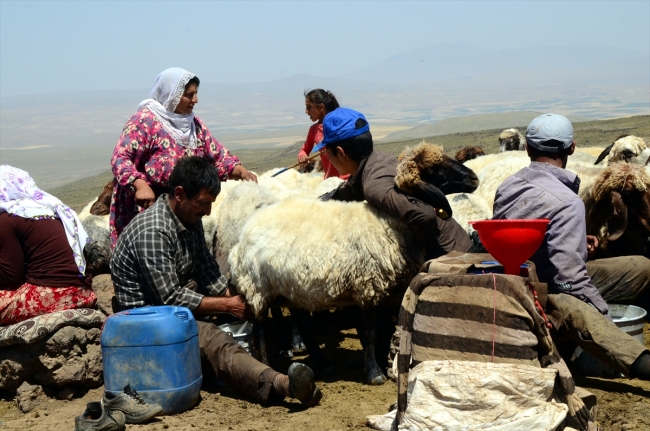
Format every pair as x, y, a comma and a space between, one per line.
235, 305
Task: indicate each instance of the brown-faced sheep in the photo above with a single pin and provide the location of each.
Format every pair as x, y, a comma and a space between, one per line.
469, 153
617, 207
511, 140
102, 205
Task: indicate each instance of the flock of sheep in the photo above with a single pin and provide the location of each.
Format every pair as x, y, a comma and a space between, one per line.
279, 240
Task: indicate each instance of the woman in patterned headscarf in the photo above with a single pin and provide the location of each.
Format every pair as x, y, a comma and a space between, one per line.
42, 267
163, 130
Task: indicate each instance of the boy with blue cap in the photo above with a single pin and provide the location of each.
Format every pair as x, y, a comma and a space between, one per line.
348, 144
545, 189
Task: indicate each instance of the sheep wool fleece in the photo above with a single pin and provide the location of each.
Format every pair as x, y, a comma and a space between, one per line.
374, 182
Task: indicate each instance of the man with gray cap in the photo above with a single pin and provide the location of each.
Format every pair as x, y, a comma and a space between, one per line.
545, 189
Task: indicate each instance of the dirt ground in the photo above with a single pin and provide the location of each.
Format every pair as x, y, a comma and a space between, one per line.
623, 404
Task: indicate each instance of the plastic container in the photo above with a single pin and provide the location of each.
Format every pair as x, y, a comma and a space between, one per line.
156, 351
630, 319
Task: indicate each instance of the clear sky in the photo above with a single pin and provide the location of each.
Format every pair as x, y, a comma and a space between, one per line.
55, 46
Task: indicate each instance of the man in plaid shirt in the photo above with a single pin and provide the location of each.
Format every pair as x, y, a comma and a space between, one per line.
161, 259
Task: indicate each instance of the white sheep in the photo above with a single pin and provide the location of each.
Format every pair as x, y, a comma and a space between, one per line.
468, 207
98, 249
243, 198
493, 169
310, 252
511, 140
319, 255
627, 148
492, 175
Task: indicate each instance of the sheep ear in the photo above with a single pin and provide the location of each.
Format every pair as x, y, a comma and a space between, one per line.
604, 154
618, 222
431, 195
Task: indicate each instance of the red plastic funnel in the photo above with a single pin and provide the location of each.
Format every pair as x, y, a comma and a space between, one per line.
511, 242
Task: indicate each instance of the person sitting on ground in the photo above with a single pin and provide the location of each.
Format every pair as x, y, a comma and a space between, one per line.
348, 143
546, 190
318, 103
163, 130
161, 259
42, 267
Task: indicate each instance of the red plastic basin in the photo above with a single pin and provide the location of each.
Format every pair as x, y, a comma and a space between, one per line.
511, 242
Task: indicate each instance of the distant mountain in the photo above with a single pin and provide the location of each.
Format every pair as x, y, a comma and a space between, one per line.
464, 64
62, 137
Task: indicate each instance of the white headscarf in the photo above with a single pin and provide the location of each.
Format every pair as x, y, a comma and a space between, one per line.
163, 99
20, 196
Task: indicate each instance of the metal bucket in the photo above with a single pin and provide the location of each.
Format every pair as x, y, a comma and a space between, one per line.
630, 319
242, 332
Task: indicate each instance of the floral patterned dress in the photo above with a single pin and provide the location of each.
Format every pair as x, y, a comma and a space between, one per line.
146, 151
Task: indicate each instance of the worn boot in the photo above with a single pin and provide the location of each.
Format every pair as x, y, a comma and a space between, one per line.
302, 386
98, 418
135, 409
640, 369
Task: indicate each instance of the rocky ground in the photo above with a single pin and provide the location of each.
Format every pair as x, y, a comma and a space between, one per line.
623, 404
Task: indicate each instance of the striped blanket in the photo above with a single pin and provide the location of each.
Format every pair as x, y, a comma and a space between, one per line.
483, 318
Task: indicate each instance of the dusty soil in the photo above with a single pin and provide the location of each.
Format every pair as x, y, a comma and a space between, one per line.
623, 404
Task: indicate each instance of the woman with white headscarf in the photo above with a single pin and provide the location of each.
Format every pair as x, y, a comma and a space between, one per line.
42, 266
163, 130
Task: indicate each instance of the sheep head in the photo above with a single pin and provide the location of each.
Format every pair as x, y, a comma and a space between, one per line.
618, 211
102, 205
468, 153
626, 148
427, 163
511, 140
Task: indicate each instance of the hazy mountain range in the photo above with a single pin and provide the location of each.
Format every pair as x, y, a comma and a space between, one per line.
62, 137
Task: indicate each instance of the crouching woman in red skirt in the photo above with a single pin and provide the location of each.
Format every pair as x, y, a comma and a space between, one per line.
42, 265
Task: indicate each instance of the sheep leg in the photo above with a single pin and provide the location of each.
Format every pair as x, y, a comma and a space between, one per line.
259, 338
320, 364
297, 344
374, 373
281, 331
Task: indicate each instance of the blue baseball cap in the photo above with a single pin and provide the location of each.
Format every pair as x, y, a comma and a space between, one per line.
340, 124
550, 133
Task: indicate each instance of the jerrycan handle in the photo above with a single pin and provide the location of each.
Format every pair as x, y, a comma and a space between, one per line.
183, 315
140, 311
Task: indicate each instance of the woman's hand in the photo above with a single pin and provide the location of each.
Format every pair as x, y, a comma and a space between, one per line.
144, 196
241, 173
303, 159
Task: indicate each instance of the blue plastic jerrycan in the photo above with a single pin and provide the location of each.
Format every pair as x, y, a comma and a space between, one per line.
156, 351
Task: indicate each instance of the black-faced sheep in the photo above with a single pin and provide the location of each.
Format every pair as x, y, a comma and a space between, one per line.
468, 153
511, 140
626, 148
317, 255
427, 163
617, 207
